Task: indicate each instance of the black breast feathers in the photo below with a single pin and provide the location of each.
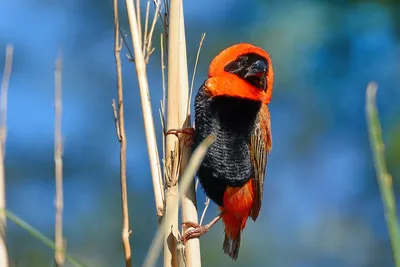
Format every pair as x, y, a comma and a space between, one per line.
227, 162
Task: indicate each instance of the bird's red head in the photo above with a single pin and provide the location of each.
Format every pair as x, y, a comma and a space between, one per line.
241, 71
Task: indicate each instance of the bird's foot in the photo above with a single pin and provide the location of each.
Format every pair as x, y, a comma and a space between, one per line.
198, 230
188, 132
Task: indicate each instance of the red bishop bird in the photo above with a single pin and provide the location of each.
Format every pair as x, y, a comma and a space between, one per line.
232, 104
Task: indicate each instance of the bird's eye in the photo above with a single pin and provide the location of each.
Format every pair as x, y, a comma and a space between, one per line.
243, 61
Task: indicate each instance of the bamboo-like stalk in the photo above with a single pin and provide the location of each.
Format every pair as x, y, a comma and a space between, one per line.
146, 110
120, 128
174, 121
187, 177
3, 133
384, 178
59, 253
189, 204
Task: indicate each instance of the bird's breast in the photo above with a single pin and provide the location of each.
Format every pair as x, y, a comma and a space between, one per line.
227, 162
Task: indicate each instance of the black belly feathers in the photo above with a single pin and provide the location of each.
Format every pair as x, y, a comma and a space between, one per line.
227, 162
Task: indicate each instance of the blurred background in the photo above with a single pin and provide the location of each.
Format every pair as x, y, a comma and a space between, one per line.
321, 203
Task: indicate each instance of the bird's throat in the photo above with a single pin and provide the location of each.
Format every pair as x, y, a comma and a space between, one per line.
235, 115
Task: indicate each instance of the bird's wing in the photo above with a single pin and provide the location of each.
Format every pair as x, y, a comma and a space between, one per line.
260, 146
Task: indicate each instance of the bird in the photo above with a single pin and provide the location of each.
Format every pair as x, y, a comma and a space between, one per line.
232, 104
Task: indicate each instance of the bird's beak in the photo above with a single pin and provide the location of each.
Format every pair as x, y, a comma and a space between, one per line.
257, 69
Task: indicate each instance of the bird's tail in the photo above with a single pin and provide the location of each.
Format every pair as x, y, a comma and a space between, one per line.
233, 233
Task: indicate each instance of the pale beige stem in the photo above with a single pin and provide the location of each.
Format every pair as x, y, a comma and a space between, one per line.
174, 121
3, 132
149, 48
146, 109
146, 24
138, 22
59, 252
120, 127
189, 205
187, 177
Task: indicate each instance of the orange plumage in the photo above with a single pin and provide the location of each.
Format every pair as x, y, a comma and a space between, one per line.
238, 202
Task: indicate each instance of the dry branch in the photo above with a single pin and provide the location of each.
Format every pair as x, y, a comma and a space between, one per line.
3, 133
59, 252
149, 36
135, 28
189, 205
146, 24
120, 128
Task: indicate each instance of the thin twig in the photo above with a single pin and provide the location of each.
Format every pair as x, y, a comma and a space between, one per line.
59, 255
206, 204
164, 90
158, 10
149, 49
146, 25
384, 178
203, 35
130, 56
185, 181
138, 22
3, 133
146, 110
120, 124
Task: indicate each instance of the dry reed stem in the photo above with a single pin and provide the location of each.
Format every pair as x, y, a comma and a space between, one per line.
139, 21
189, 204
59, 252
120, 127
3, 133
149, 49
146, 109
174, 121
186, 179
146, 24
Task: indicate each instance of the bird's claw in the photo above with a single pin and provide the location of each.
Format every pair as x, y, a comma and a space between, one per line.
198, 231
188, 132
188, 224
